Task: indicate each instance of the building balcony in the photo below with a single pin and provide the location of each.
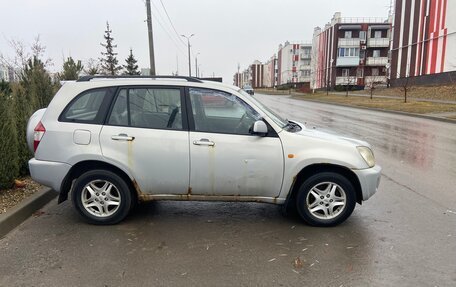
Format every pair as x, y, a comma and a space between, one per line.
347, 61
378, 80
378, 42
351, 80
305, 56
349, 42
302, 79
377, 61
304, 67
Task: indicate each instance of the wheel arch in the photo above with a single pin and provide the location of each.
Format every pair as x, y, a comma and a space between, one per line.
81, 167
313, 169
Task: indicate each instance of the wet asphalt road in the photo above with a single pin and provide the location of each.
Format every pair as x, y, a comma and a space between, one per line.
403, 236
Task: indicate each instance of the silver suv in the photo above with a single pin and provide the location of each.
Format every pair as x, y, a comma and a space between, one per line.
115, 141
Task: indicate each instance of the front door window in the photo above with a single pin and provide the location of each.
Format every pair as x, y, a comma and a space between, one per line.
220, 112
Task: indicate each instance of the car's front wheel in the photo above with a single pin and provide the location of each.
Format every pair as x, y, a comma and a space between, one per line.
326, 199
101, 197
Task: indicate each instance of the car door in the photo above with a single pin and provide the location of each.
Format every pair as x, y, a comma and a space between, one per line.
226, 159
147, 134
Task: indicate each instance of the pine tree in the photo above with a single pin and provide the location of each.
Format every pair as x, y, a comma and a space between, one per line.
34, 91
5, 87
109, 63
23, 110
8, 143
71, 70
37, 84
131, 68
93, 67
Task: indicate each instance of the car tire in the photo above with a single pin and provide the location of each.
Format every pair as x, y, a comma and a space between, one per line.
102, 197
326, 199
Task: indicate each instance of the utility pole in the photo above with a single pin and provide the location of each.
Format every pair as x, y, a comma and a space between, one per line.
151, 39
238, 76
177, 65
189, 58
196, 65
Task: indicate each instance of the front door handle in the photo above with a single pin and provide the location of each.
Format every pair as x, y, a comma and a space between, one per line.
122, 137
204, 142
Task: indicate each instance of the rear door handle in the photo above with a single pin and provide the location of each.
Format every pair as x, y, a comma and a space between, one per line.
204, 142
122, 137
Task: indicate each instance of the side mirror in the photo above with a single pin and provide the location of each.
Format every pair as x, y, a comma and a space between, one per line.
260, 128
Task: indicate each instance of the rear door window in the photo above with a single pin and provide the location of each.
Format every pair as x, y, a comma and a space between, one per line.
88, 107
155, 108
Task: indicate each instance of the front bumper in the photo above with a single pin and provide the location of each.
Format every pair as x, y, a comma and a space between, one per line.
369, 180
48, 173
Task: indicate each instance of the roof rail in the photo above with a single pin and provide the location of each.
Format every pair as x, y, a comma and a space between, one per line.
88, 78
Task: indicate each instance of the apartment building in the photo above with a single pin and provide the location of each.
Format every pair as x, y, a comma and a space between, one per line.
237, 80
423, 42
243, 78
4, 75
351, 51
8, 74
293, 63
270, 73
256, 71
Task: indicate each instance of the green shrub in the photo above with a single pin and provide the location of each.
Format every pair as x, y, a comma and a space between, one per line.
23, 111
9, 166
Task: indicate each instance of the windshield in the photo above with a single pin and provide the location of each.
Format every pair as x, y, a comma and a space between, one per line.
281, 122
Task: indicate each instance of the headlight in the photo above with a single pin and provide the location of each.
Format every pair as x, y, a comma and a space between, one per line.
367, 155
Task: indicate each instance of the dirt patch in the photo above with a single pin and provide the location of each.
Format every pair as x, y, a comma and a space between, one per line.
11, 197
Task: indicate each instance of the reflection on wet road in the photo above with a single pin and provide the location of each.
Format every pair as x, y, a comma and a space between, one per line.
417, 153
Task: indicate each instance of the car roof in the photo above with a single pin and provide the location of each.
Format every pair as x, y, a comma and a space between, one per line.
98, 82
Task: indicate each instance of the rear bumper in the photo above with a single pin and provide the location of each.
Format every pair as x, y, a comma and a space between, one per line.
369, 180
48, 173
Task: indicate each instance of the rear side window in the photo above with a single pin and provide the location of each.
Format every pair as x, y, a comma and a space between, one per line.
88, 107
155, 108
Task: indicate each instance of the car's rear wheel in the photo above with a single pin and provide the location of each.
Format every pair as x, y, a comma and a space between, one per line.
101, 197
326, 199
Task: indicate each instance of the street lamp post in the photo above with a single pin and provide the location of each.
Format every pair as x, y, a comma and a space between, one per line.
196, 65
189, 58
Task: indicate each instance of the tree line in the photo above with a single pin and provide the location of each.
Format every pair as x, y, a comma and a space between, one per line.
106, 65
34, 90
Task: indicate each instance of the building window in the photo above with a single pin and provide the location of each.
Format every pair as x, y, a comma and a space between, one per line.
376, 53
348, 34
377, 34
374, 72
345, 72
362, 35
360, 73
348, 52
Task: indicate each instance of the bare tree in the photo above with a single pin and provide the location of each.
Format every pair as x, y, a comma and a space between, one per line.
405, 86
351, 81
22, 53
373, 83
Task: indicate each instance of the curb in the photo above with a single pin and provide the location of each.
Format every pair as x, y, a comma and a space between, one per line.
18, 214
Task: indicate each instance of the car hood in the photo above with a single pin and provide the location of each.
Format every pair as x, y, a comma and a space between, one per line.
330, 136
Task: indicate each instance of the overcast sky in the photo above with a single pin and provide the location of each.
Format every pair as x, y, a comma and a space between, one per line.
226, 32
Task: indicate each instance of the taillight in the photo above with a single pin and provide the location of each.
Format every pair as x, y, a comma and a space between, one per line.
38, 135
